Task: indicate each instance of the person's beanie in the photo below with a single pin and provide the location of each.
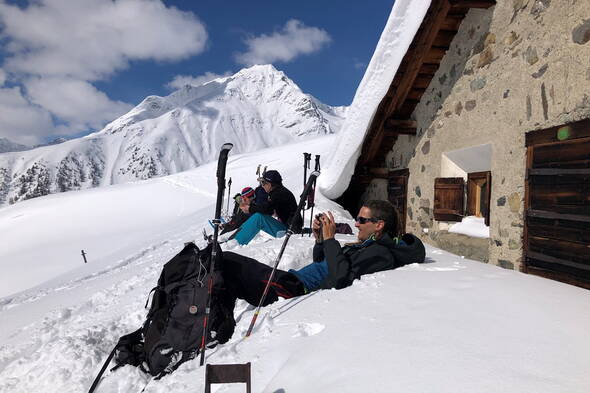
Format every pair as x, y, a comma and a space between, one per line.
247, 192
271, 176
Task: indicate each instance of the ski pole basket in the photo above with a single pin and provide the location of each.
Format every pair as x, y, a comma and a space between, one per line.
228, 373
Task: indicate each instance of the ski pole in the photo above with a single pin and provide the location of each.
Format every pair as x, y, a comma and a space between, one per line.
221, 164
311, 200
102, 370
290, 231
228, 194
306, 161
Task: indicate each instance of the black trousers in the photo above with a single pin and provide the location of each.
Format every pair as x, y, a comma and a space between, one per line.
245, 278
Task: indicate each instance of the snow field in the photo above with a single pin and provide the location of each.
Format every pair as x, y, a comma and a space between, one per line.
448, 325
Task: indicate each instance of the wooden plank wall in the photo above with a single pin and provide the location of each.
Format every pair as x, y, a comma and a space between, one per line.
557, 227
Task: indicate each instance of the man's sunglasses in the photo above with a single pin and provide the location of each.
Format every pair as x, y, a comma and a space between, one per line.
364, 220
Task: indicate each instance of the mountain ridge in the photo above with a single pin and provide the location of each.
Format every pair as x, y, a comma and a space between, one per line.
255, 108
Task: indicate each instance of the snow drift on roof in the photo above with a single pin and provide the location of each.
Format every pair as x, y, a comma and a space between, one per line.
403, 23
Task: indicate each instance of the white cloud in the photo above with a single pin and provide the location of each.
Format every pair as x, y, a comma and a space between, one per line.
91, 39
55, 48
20, 121
180, 81
293, 40
77, 102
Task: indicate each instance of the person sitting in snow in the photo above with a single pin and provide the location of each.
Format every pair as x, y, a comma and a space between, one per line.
379, 247
248, 196
281, 203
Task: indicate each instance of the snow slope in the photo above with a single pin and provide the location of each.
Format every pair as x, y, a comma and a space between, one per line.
403, 23
449, 325
255, 108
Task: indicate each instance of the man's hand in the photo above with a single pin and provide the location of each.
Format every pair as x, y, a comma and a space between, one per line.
328, 225
316, 227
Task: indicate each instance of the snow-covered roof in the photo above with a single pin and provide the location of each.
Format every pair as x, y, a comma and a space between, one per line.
403, 23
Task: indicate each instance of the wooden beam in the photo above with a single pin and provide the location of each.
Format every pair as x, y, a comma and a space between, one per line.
420, 82
416, 94
416, 58
452, 22
379, 172
472, 3
429, 69
392, 122
578, 129
444, 38
435, 55
399, 131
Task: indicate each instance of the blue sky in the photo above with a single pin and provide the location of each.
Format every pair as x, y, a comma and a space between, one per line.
69, 67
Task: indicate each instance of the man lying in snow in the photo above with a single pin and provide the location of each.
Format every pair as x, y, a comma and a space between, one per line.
379, 248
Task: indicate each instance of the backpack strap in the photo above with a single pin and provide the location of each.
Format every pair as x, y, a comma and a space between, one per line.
148, 296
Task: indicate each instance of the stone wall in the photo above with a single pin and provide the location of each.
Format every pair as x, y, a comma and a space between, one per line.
520, 66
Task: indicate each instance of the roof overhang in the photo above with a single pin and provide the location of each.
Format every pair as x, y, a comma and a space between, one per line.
413, 76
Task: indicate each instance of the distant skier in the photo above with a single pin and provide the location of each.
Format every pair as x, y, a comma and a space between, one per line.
281, 202
379, 247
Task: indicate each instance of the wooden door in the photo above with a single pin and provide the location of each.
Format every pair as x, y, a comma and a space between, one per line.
397, 192
557, 204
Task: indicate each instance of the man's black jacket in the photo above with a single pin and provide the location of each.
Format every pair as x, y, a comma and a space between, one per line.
282, 202
345, 264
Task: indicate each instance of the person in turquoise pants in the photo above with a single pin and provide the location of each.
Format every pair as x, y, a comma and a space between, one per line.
281, 203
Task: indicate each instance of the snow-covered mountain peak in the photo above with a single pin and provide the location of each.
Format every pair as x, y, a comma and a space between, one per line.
259, 84
255, 108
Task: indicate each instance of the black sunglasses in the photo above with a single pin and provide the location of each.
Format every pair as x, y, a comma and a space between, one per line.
364, 220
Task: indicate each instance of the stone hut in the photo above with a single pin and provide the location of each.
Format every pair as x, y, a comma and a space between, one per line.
488, 119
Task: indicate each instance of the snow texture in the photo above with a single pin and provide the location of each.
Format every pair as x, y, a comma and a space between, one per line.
448, 325
403, 23
471, 226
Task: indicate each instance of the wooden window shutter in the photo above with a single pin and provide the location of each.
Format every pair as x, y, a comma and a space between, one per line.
478, 195
486, 198
448, 198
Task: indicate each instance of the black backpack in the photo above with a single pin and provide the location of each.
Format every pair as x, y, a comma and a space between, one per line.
173, 330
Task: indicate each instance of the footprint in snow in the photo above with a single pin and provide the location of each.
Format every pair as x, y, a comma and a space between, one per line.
308, 329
